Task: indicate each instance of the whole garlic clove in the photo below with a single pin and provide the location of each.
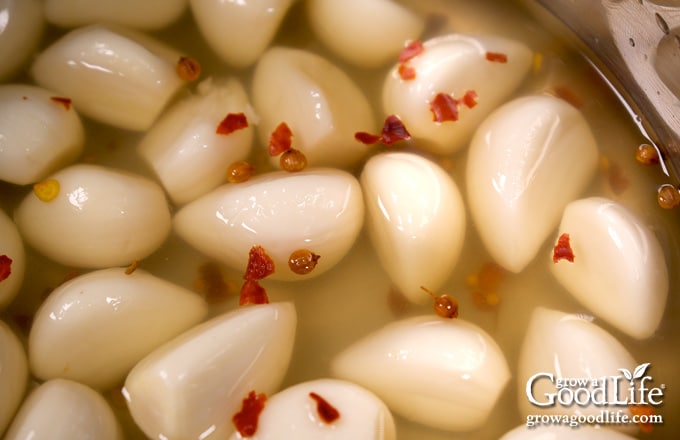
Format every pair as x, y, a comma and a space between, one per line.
13, 374
374, 31
529, 159
443, 373
62, 409
12, 261
113, 75
22, 29
566, 346
297, 412
561, 432
41, 132
125, 317
193, 385
619, 271
145, 14
317, 209
184, 148
320, 104
228, 27
415, 216
454, 64
99, 217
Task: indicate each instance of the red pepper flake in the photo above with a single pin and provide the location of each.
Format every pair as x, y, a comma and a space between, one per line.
280, 140
327, 412
496, 57
411, 50
406, 72
252, 293
5, 267
469, 99
366, 138
231, 123
132, 267
444, 108
643, 412
65, 102
260, 265
567, 94
211, 284
562, 250
188, 69
247, 418
394, 131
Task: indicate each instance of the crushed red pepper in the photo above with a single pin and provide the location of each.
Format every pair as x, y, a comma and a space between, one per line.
643, 411
132, 267
247, 418
327, 412
563, 250
496, 57
444, 108
260, 265
406, 72
252, 293
5, 267
411, 50
469, 99
280, 140
231, 123
64, 102
393, 131
188, 69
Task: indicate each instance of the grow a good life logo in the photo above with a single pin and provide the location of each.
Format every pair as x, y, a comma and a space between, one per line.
583, 397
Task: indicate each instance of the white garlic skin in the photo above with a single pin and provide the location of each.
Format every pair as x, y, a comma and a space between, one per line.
13, 374
185, 151
619, 270
12, 247
293, 414
319, 102
100, 218
374, 31
416, 221
39, 135
567, 346
125, 317
317, 209
227, 27
454, 64
193, 385
526, 162
139, 14
560, 432
443, 373
113, 75
23, 26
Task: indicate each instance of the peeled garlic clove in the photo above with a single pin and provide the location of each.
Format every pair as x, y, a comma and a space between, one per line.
294, 413
193, 385
529, 159
566, 346
319, 103
13, 374
443, 373
373, 33
560, 432
41, 132
63, 409
125, 317
144, 14
117, 77
416, 216
22, 28
12, 261
454, 64
98, 218
228, 27
184, 148
318, 209
619, 270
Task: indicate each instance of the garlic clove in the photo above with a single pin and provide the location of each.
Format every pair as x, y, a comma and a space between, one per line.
374, 31
184, 148
146, 14
619, 270
22, 28
518, 164
320, 104
294, 413
13, 374
317, 209
561, 432
415, 216
191, 386
63, 409
443, 373
41, 132
566, 346
12, 260
116, 76
99, 217
454, 64
125, 316
228, 27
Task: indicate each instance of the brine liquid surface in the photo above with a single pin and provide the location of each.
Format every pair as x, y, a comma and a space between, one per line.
356, 297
